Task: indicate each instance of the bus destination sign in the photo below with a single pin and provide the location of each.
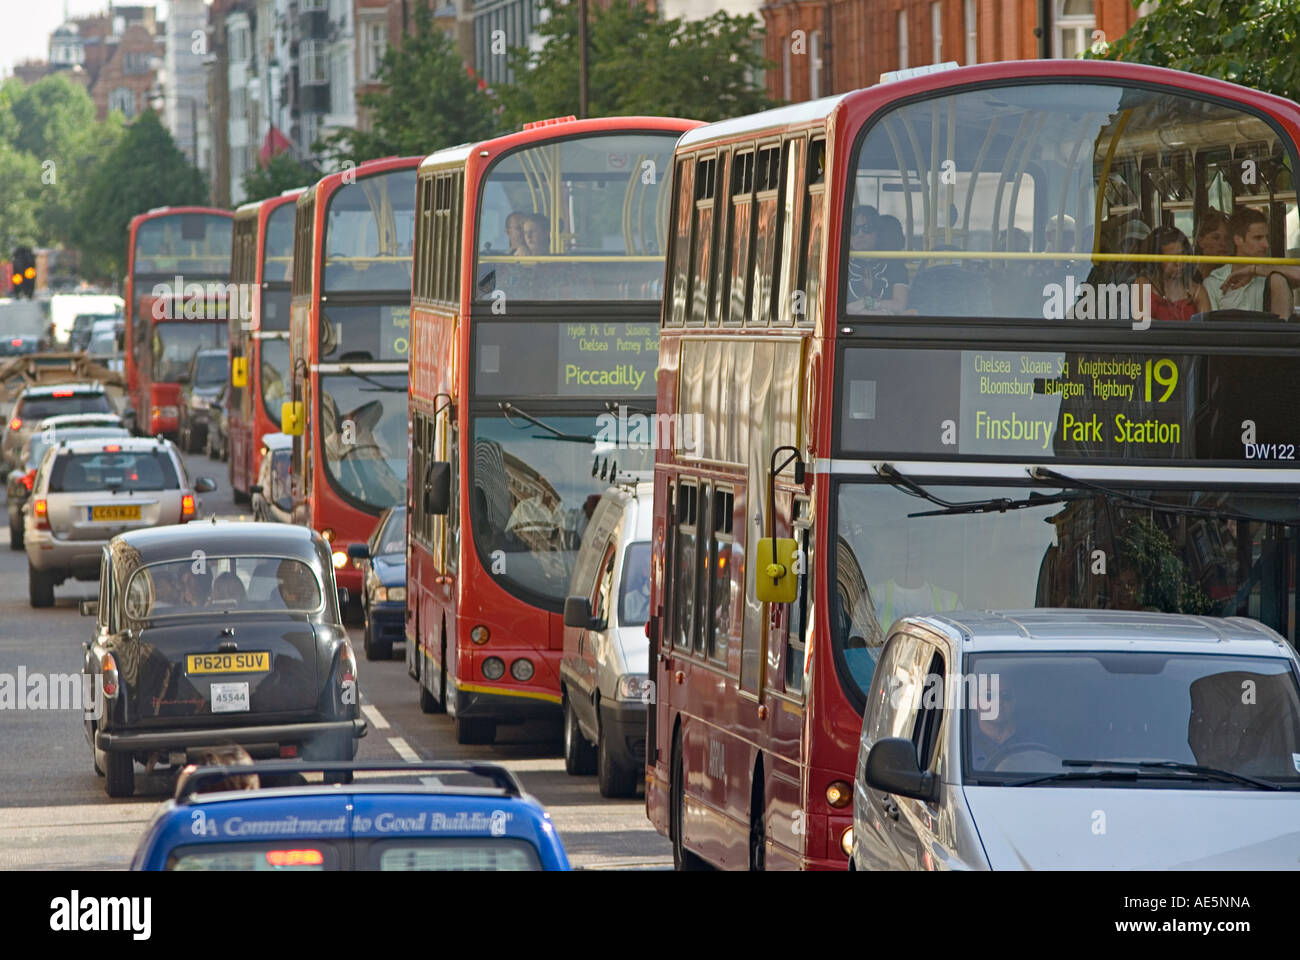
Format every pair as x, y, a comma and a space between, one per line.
566, 359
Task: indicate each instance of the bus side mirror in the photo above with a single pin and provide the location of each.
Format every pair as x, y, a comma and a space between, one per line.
437, 488
775, 579
239, 372
291, 418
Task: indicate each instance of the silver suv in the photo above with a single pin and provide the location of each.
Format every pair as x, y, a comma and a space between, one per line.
88, 491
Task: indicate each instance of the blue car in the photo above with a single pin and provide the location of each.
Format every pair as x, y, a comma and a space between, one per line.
482, 821
382, 562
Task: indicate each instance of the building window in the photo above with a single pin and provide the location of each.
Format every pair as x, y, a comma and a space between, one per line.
313, 64
972, 35
376, 44
902, 39
1075, 21
815, 65
237, 43
122, 98
936, 32
315, 5
135, 63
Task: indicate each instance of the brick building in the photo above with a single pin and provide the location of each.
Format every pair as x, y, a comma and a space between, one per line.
873, 36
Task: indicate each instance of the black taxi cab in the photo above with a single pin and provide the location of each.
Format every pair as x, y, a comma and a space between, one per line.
210, 634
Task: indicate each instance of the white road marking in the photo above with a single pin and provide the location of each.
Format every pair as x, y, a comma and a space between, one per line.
374, 716
403, 749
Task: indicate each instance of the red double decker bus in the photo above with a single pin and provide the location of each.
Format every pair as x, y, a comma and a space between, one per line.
178, 264
349, 336
962, 340
262, 263
539, 270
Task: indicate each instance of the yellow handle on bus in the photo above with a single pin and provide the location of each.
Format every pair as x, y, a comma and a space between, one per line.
776, 583
239, 372
292, 420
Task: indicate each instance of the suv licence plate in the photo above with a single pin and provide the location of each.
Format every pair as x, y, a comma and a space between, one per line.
116, 512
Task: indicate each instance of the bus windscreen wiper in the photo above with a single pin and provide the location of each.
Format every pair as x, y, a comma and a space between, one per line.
508, 408
1060, 479
948, 507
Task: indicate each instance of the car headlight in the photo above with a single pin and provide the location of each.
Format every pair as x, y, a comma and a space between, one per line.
199, 403
634, 686
380, 594
397, 594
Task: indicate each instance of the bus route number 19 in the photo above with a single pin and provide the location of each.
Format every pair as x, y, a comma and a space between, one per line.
1165, 373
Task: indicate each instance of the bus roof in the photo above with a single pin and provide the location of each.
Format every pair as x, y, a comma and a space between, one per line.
554, 130
368, 168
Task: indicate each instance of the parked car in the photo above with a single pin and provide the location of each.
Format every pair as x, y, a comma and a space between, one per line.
272, 495
382, 561
604, 673
203, 383
217, 445
486, 822
50, 431
245, 647
35, 403
88, 491
1079, 739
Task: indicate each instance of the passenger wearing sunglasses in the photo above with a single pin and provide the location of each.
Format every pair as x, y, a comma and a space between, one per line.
875, 286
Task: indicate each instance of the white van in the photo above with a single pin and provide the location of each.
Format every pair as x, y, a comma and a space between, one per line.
604, 674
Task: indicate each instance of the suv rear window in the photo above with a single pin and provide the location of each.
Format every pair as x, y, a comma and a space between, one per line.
38, 408
124, 470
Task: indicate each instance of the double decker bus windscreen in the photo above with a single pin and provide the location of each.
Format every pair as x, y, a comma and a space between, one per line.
189, 245
578, 219
1071, 201
175, 343
363, 436
369, 234
277, 256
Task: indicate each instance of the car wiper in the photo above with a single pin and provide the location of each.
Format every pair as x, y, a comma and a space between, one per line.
508, 408
1059, 479
1134, 770
1214, 773
948, 507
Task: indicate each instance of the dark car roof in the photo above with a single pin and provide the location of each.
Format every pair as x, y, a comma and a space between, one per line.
178, 542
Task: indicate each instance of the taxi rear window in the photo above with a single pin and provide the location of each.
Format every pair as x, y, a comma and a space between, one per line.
296, 856
124, 470
477, 854
38, 408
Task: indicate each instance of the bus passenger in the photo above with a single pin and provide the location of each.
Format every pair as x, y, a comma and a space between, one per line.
536, 233
884, 290
515, 233
1212, 241
1175, 292
1267, 291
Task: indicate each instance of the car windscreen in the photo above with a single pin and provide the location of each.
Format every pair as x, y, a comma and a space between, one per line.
393, 537
222, 584
210, 370
475, 854
634, 592
295, 855
123, 471
1033, 714
38, 408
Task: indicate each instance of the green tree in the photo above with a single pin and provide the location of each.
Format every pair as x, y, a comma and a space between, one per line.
639, 64
1251, 42
18, 202
282, 173
145, 169
429, 101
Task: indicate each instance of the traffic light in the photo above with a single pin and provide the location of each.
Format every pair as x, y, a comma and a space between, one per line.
24, 275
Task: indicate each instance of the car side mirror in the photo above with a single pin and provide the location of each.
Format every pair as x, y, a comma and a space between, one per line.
892, 767
344, 596
204, 485
89, 608
577, 613
437, 488
359, 551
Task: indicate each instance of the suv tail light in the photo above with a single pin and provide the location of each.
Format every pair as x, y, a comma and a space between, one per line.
187, 506
41, 511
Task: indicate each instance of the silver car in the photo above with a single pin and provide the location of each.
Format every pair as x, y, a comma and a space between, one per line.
88, 491
1080, 739
38, 403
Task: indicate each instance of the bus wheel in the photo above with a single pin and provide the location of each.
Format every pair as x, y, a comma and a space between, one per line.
579, 757
475, 730
683, 859
757, 829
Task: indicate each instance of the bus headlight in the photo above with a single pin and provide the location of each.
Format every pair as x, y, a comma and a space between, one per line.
839, 794
846, 841
480, 634
339, 559
494, 668
522, 670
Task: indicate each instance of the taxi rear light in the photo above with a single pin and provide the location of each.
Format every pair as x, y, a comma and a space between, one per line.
109, 667
16, 423
288, 751
61, 393
113, 448
187, 505
16, 342
295, 858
